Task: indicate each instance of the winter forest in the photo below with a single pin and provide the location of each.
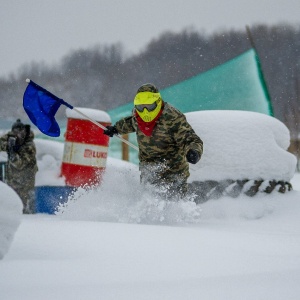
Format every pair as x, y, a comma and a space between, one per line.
105, 76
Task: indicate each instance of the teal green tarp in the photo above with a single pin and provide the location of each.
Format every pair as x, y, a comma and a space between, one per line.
235, 85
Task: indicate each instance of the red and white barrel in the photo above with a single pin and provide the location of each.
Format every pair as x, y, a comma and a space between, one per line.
85, 149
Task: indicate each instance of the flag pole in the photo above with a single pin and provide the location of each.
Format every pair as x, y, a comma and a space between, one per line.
104, 128
61, 101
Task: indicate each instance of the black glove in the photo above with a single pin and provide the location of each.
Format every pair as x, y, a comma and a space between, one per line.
110, 131
193, 156
11, 143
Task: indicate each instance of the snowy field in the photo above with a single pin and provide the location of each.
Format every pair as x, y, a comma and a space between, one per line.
119, 242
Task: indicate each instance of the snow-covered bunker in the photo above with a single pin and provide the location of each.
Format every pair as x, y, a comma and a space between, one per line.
244, 152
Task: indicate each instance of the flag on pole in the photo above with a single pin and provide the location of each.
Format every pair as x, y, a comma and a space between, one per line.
41, 107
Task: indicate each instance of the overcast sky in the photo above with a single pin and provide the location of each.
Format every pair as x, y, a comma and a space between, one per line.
46, 30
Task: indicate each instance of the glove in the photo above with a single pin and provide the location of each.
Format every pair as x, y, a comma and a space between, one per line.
11, 143
192, 156
110, 131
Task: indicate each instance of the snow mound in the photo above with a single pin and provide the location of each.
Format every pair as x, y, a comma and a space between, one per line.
11, 208
241, 145
49, 156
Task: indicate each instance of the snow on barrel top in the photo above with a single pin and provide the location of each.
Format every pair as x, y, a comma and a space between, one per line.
95, 114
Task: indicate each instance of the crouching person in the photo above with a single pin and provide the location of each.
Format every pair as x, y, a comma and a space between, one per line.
21, 163
167, 142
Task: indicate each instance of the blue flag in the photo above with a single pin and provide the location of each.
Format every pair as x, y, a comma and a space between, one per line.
41, 107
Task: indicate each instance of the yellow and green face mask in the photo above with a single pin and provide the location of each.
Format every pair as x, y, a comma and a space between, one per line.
147, 105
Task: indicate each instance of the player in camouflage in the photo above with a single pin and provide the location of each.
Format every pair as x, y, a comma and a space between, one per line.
21, 164
167, 142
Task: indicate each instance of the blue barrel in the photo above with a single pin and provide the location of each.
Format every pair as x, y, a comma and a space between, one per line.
48, 198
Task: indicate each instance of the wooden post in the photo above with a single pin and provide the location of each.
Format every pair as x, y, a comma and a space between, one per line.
250, 37
125, 148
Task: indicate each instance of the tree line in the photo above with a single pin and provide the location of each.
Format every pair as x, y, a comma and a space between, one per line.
104, 76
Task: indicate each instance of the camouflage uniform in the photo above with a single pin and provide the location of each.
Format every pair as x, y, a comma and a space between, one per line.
163, 154
21, 169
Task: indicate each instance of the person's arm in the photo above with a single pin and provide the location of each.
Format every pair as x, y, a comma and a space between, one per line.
185, 135
24, 156
123, 126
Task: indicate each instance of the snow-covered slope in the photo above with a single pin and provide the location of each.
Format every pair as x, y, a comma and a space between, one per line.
244, 248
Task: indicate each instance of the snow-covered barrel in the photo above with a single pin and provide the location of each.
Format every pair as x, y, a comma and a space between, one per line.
86, 147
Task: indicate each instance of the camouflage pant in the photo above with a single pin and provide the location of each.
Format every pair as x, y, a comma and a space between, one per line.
167, 184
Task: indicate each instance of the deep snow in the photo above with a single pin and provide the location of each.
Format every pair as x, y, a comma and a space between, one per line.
118, 242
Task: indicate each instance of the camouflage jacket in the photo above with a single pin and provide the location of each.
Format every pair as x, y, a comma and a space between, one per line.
169, 143
22, 166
